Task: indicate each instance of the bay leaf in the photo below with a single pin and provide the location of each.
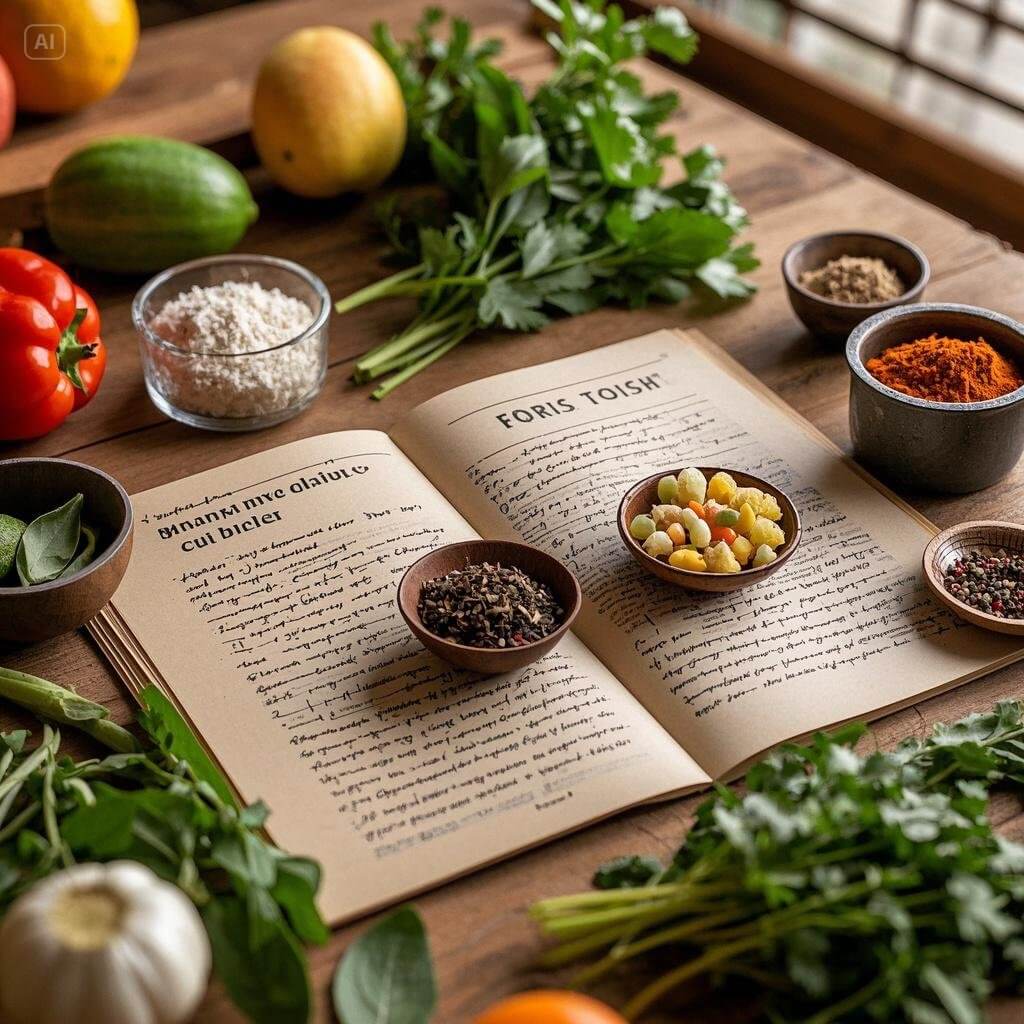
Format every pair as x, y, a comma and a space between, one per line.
49, 543
386, 975
86, 553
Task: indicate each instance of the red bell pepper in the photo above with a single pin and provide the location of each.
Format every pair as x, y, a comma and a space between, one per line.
51, 356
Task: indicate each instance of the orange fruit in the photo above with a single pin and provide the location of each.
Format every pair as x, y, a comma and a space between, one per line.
66, 54
327, 114
550, 1007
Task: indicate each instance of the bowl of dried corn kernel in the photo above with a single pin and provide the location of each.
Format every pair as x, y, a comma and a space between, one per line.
706, 528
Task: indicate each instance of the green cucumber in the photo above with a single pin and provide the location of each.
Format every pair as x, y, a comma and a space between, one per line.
138, 203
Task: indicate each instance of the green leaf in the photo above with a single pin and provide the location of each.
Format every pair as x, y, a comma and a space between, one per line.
514, 304
519, 161
49, 543
625, 872
626, 157
171, 733
539, 248
386, 976
270, 984
298, 880
668, 32
86, 553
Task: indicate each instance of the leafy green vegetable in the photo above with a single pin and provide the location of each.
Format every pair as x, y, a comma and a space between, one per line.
556, 203
387, 976
49, 543
169, 808
867, 888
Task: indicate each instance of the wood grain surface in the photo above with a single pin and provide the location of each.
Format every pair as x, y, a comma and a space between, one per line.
191, 75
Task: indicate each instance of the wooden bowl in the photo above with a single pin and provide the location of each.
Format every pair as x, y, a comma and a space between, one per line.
30, 487
641, 496
488, 660
987, 534
831, 320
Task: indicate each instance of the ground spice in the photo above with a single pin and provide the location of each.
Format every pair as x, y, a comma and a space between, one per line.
489, 606
858, 279
946, 370
992, 583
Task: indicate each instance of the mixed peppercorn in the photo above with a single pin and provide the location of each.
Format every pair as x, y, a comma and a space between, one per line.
989, 582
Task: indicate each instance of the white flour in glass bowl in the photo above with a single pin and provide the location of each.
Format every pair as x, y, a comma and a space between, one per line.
232, 319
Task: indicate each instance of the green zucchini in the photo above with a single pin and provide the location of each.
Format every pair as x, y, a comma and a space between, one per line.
137, 203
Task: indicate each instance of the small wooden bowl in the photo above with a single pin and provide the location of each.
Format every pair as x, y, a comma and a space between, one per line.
987, 534
30, 487
488, 660
641, 496
831, 320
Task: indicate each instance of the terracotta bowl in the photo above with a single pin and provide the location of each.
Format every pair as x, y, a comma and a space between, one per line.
487, 660
641, 496
30, 487
831, 320
988, 535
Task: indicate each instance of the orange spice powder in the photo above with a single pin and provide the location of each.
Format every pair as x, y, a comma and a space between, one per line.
946, 370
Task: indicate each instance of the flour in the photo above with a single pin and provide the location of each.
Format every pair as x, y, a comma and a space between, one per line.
215, 327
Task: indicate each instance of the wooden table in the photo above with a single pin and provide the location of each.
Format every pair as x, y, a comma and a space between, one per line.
481, 939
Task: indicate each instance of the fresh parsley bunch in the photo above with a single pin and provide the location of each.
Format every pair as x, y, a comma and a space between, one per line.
165, 805
555, 203
849, 888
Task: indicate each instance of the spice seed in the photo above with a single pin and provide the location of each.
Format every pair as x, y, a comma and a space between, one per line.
992, 583
488, 605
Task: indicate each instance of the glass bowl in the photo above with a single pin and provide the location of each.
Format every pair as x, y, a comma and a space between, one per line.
231, 391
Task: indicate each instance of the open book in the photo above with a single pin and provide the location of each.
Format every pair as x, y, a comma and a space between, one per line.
261, 598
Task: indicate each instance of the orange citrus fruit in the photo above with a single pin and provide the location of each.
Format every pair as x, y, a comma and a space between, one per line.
66, 54
549, 1007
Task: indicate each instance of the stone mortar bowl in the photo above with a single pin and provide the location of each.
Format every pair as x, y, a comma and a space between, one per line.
945, 447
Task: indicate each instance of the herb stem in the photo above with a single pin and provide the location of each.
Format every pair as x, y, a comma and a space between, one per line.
65, 707
377, 290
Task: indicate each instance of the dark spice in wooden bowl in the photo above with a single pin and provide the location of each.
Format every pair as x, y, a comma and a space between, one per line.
489, 606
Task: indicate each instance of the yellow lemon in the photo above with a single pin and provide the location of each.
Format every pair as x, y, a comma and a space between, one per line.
327, 114
66, 54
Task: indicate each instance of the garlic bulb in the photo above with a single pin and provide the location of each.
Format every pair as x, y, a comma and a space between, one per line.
102, 944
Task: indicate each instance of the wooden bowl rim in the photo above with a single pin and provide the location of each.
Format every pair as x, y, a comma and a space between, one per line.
750, 575
912, 292
934, 579
410, 609
109, 552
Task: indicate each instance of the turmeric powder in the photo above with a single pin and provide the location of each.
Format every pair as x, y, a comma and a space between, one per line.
947, 370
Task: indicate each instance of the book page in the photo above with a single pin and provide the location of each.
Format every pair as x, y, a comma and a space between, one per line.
845, 629
263, 594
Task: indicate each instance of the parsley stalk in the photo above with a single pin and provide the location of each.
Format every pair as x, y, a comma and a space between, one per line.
553, 204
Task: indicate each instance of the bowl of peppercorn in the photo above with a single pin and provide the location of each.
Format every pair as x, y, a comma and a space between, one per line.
837, 279
976, 569
937, 396
489, 606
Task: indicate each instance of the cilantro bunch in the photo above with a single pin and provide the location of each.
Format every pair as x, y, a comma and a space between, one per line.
166, 805
554, 204
847, 888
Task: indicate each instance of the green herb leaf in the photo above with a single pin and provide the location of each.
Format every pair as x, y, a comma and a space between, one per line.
86, 553
172, 734
668, 32
49, 543
623, 872
386, 976
514, 304
269, 983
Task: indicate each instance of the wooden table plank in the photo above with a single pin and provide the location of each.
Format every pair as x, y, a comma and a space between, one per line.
483, 942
